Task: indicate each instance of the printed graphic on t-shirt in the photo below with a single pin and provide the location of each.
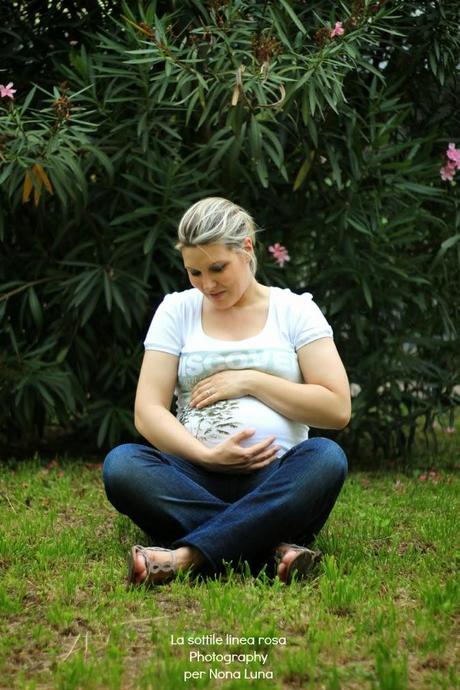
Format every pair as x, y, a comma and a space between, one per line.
197, 365
210, 423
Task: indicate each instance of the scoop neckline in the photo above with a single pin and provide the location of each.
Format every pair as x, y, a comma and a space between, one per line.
241, 340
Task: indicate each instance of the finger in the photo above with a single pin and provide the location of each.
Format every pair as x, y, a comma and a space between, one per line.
241, 435
203, 401
203, 398
268, 455
199, 390
259, 465
203, 384
259, 447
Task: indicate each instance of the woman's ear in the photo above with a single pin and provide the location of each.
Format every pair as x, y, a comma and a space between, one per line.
247, 244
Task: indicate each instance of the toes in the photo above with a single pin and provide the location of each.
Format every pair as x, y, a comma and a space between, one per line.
139, 568
282, 571
283, 567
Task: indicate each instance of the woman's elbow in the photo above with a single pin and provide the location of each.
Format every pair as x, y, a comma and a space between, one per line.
343, 421
138, 422
147, 417
344, 416
139, 418
343, 413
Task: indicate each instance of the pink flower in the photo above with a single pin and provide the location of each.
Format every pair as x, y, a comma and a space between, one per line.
447, 172
280, 253
7, 91
450, 430
337, 30
453, 155
452, 163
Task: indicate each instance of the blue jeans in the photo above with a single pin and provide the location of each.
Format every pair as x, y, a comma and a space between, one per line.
228, 517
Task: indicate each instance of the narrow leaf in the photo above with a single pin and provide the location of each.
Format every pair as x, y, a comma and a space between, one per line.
27, 187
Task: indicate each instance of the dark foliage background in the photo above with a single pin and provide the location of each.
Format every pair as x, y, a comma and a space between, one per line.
126, 113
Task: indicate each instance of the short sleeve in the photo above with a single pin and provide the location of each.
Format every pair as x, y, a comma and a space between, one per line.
308, 321
165, 330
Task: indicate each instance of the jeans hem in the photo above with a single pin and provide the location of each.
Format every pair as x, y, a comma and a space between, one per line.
184, 541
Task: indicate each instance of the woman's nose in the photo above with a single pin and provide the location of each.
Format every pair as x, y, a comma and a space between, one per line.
208, 283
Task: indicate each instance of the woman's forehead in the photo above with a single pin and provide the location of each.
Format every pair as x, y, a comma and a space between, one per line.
206, 253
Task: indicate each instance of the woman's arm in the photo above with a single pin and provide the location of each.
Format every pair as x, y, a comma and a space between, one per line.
323, 401
152, 416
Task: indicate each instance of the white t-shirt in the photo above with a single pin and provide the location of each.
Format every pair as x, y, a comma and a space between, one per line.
293, 321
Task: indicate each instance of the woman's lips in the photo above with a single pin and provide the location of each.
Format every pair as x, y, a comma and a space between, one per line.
216, 295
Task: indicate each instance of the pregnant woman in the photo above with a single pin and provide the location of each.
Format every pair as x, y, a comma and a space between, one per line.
233, 475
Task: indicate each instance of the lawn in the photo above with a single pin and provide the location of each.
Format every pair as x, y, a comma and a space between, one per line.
381, 613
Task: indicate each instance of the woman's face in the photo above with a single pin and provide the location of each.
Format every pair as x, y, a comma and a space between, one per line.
220, 273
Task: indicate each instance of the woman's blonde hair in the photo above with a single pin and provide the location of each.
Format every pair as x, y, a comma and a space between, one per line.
215, 219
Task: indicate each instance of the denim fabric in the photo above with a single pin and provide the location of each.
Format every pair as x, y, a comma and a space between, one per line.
228, 517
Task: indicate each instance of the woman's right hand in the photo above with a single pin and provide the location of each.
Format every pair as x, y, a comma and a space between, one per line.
230, 456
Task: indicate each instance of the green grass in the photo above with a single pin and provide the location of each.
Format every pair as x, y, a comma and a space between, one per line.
382, 613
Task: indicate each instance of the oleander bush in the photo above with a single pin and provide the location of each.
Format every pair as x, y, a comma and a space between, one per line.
329, 122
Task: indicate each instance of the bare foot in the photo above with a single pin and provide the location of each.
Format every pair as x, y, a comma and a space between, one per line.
185, 557
288, 555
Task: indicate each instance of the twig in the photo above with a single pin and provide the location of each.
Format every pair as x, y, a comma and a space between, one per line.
9, 503
7, 295
72, 648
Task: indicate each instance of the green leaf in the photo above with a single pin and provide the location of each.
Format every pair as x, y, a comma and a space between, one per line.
445, 246
262, 172
35, 307
140, 212
293, 15
107, 291
6, 172
120, 302
367, 293
418, 189
45, 394
151, 239
103, 159
277, 25
90, 305
255, 139
312, 97
303, 171
350, 220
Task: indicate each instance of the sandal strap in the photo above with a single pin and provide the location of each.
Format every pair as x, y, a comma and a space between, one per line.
295, 547
151, 567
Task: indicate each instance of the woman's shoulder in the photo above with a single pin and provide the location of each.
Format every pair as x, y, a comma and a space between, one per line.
286, 299
183, 299
300, 317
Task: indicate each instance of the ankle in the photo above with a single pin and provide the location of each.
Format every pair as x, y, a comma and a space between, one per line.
188, 557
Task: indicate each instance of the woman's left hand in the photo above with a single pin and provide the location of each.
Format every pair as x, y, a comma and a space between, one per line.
231, 383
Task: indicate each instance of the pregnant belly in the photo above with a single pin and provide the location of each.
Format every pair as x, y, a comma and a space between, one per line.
213, 424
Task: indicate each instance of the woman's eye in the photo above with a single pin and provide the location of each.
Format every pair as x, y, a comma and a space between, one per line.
213, 269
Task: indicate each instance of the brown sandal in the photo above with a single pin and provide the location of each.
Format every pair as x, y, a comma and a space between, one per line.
302, 565
151, 567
